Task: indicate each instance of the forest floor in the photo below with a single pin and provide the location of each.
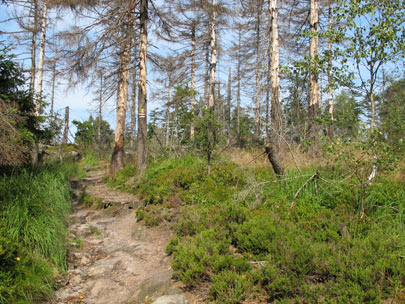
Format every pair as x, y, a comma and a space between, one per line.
112, 257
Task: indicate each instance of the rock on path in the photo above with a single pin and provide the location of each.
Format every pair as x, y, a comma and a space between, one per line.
112, 258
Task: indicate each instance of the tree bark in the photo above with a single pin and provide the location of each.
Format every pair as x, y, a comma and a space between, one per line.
53, 90
38, 93
169, 93
276, 111
206, 76
66, 131
133, 99
314, 22
193, 52
268, 89
34, 48
213, 63
239, 88
330, 76
274, 160
142, 97
228, 108
258, 87
100, 106
117, 158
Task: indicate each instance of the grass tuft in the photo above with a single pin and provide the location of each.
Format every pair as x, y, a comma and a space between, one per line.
33, 208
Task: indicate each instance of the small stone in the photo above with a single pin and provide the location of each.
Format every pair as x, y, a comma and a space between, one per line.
76, 280
106, 221
85, 260
171, 299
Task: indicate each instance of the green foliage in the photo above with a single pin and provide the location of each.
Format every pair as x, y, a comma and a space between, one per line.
91, 158
186, 177
206, 128
319, 250
90, 200
229, 287
347, 112
391, 111
86, 134
33, 207
120, 179
17, 122
246, 128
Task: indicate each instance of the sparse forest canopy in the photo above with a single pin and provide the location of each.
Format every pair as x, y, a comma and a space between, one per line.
268, 135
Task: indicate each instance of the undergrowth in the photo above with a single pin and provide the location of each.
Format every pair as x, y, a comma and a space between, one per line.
240, 230
33, 206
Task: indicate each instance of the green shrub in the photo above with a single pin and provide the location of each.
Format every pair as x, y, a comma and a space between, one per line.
120, 179
196, 257
318, 251
229, 287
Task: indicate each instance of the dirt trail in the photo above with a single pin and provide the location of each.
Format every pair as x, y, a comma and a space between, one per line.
112, 258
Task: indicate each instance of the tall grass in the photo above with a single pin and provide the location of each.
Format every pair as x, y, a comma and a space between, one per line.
33, 208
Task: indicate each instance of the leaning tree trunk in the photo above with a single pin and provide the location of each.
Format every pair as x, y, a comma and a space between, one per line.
117, 158
38, 92
274, 159
142, 98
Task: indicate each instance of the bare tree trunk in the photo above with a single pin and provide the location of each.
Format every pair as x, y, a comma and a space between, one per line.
41, 60
206, 78
100, 106
372, 99
117, 158
133, 100
193, 46
53, 90
238, 93
268, 85
314, 96
276, 111
169, 93
142, 97
34, 48
228, 108
66, 131
258, 88
211, 135
330, 76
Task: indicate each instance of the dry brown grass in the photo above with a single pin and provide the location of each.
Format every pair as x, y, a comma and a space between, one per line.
256, 158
